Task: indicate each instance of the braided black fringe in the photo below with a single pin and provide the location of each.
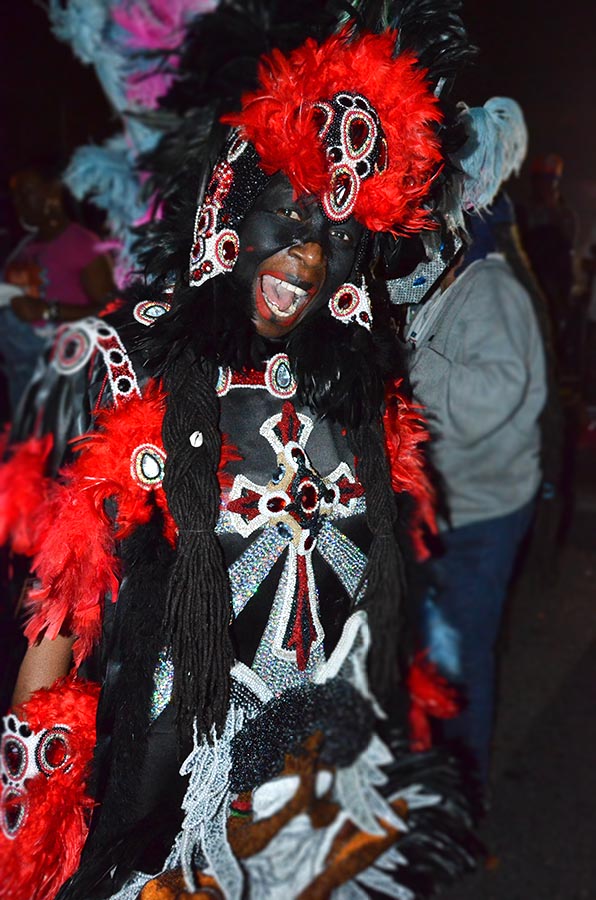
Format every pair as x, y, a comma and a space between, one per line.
135, 640
199, 601
384, 574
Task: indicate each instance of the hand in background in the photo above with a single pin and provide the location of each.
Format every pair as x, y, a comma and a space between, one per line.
28, 308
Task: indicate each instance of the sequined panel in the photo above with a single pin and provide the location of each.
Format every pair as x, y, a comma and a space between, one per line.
253, 566
345, 558
277, 673
163, 678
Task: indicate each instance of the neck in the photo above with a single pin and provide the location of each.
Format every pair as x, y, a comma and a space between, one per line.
53, 226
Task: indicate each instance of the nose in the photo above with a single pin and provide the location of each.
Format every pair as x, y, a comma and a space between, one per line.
311, 254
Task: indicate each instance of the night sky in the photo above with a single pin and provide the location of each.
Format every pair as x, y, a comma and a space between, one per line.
541, 54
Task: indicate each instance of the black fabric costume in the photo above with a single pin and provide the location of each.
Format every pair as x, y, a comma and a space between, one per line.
278, 585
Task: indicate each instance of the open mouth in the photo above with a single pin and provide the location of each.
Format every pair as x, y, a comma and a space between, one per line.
283, 298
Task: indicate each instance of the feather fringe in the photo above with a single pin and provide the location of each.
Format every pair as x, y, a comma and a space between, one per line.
23, 490
495, 149
405, 434
47, 848
76, 567
431, 696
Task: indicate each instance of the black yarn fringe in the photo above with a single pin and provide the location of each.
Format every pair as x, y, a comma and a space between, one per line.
199, 602
133, 639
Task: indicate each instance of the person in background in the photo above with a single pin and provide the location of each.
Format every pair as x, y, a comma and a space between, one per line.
589, 349
56, 274
540, 558
475, 357
549, 229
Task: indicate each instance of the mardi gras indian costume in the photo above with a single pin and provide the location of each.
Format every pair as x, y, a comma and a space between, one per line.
220, 542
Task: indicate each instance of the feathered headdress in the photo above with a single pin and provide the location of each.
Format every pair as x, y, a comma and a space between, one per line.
351, 122
354, 118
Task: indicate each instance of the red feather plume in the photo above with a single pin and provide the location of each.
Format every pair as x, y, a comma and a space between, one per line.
46, 849
23, 490
405, 433
280, 121
431, 696
229, 453
106, 466
76, 567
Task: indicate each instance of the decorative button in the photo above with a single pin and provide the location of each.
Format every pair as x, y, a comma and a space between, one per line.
147, 466
279, 380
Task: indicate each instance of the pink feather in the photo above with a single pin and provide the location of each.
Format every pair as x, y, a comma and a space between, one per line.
158, 24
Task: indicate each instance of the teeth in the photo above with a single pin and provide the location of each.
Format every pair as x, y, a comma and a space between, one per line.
297, 291
284, 313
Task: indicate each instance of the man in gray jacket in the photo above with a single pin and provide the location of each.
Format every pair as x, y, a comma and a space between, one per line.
476, 362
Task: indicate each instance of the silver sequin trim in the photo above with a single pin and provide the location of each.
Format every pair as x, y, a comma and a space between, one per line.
345, 558
253, 565
163, 678
280, 674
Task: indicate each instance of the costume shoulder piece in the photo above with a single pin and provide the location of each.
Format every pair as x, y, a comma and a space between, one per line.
91, 364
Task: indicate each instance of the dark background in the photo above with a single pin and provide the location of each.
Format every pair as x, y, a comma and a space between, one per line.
541, 54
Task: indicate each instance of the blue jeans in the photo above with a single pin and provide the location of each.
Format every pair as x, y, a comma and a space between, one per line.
462, 609
20, 349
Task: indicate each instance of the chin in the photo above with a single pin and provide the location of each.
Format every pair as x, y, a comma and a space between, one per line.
272, 330
268, 324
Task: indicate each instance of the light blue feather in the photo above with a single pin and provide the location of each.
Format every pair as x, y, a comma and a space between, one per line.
86, 26
496, 148
81, 23
106, 175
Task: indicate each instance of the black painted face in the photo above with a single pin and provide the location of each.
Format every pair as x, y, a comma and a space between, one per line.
292, 259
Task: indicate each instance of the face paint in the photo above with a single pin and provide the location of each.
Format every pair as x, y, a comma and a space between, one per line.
292, 258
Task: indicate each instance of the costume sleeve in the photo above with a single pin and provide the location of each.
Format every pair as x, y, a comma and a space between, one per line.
45, 755
98, 500
61, 396
58, 407
474, 394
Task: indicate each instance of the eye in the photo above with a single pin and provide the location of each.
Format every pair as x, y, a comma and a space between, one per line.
340, 235
288, 212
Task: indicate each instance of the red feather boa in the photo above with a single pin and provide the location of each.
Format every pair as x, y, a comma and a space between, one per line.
76, 561
76, 567
431, 696
405, 432
279, 120
23, 490
46, 849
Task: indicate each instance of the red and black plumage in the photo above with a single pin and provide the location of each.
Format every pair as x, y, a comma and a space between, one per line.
76, 558
279, 119
46, 848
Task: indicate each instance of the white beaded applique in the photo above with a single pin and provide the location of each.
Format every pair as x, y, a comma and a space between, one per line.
351, 304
